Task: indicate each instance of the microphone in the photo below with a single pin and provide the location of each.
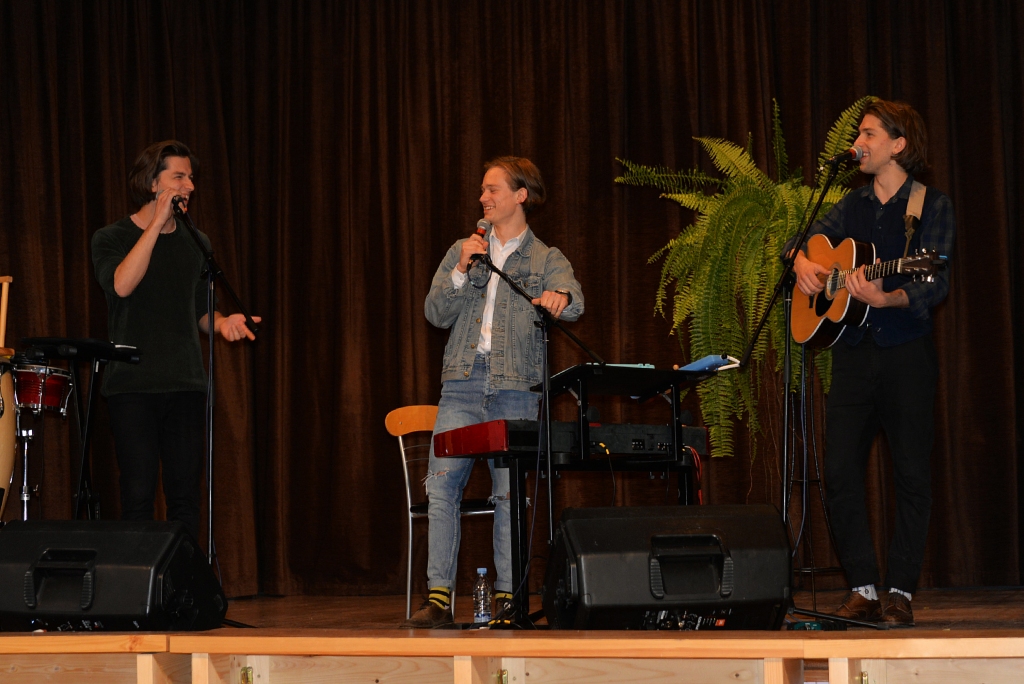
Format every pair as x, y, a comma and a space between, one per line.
852, 154
176, 206
482, 226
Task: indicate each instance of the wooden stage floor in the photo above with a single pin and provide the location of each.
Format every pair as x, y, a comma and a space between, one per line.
934, 609
958, 612
963, 636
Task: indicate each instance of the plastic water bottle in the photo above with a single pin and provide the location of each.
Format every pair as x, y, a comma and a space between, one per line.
481, 598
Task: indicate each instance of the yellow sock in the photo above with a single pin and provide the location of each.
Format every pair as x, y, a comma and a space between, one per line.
440, 596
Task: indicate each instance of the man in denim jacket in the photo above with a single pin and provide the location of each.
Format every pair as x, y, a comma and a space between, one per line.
494, 355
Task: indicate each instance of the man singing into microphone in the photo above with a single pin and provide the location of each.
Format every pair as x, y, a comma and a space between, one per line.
493, 357
884, 373
151, 271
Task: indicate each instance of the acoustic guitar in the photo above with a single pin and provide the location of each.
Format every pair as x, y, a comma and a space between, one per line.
820, 319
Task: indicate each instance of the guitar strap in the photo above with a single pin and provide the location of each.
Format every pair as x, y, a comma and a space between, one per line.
912, 218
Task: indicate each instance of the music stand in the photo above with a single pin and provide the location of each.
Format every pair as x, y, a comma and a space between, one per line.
635, 381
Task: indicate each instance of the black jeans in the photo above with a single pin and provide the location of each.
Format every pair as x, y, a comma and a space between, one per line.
893, 389
165, 429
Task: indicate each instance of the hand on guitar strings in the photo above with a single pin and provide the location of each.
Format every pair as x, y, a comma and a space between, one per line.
810, 276
870, 291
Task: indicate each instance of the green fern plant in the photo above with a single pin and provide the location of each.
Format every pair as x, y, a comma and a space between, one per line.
721, 269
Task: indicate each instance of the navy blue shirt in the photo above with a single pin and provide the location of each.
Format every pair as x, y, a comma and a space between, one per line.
861, 216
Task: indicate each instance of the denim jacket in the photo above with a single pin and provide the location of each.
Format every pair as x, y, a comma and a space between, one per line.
516, 343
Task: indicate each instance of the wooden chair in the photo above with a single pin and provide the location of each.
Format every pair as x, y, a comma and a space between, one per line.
413, 425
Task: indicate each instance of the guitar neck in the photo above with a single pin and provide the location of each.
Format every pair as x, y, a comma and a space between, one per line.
871, 271
886, 268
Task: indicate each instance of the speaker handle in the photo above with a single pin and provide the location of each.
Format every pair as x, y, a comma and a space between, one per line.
62, 563
675, 547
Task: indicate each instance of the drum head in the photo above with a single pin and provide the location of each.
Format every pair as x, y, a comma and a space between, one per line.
39, 387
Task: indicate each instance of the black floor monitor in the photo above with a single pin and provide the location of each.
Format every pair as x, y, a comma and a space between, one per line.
669, 567
62, 575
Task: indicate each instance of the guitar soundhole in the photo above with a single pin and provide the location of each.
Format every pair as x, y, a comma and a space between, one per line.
831, 284
821, 304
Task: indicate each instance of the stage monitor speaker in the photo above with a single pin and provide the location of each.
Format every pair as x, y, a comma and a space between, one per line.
669, 567
64, 575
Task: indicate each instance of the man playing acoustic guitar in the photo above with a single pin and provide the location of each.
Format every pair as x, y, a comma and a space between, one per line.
884, 371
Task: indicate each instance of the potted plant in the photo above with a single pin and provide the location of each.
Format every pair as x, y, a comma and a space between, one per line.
721, 270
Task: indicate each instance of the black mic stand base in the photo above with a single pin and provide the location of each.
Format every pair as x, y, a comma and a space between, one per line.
826, 617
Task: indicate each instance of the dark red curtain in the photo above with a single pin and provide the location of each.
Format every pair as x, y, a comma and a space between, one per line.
341, 147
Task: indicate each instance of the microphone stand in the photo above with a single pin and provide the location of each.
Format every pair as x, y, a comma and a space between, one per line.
213, 272
545, 323
785, 286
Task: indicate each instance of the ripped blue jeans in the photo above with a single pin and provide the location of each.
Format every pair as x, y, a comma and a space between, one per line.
465, 402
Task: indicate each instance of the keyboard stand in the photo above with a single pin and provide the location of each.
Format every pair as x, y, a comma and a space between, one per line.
583, 381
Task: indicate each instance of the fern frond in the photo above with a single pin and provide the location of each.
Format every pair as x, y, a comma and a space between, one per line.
697, 201
779, 145
665, 179
732, 160
823, 365
842, 134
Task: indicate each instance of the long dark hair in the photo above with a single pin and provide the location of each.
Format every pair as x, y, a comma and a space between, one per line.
900, 120
148, 166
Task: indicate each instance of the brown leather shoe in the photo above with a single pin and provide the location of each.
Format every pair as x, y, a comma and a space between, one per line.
504, 614
429, 616
856, 607
896, 611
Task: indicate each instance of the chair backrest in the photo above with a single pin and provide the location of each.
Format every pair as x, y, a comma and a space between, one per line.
401, 423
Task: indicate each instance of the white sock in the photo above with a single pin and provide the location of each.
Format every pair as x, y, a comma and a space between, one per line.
868, 591
894, 590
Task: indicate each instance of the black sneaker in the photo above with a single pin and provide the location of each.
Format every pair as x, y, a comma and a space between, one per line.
429, 616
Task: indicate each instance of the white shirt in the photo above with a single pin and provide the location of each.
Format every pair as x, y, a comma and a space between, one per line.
499, 253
